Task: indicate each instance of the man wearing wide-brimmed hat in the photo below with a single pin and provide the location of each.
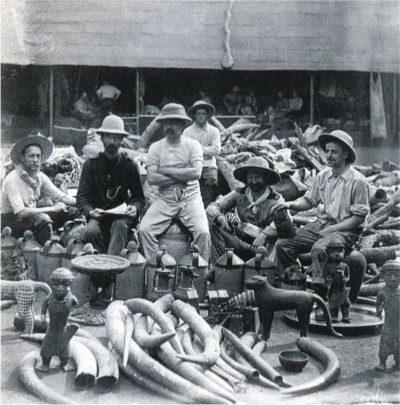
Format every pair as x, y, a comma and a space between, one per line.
253, 204
344, 195
26, 185
174, 164
109, 180
210, 139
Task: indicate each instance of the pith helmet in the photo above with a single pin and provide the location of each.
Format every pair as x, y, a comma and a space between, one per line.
112, 124
173, 111
343, 138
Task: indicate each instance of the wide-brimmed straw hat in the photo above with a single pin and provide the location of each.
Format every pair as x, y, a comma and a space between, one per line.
39, 139
112, 124
173, 111
341, 137
259, 163
201, 104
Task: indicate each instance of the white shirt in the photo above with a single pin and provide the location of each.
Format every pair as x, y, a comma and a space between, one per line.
209, 138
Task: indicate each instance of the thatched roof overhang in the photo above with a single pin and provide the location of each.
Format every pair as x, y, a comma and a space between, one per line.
265, 34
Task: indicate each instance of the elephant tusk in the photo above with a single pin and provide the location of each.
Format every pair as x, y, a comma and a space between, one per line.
169, 357
129, 326
147, 383
261, 365
251, 373
201, 328
115, 325
86, 365
139, 305
327, 357
107, 374
34, 384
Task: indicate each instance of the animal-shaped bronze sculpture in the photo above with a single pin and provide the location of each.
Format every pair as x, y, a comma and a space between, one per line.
269, 299
23, 292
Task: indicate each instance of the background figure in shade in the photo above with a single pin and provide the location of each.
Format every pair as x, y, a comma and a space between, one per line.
210, 139
108, 95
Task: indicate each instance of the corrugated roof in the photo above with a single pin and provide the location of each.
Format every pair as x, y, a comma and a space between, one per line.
265, 35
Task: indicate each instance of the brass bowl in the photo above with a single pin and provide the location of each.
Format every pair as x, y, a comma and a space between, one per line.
293, 360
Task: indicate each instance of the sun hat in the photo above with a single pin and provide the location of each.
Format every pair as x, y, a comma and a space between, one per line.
339, 136
391, 265
39, 139
201, 104
259, 163
173, 111
112, 124
336, 243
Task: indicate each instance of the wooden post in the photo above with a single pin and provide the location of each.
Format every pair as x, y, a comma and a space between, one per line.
137, 101
312, 99
51, 101
396, 129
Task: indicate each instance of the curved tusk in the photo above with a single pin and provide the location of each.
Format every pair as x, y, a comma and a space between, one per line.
327, 357
139, 305
34, 384
115, 324
129, 327
262, 366
107, 374
201, 328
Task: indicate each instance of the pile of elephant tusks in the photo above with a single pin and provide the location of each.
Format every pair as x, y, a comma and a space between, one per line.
166, 347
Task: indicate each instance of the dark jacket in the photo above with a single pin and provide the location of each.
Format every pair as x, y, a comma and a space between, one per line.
106, 183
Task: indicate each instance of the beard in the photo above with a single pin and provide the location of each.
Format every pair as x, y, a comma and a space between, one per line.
256, 187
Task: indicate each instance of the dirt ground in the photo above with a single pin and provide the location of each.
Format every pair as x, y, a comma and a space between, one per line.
358, 382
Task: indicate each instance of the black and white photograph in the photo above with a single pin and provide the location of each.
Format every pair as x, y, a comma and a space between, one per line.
200, 202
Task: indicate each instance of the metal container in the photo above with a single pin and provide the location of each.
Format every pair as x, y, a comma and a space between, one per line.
177, 240
75, 229
74, 247
193, 259
229, 273
160, 260
260, 265
30, 249
8, 242
185, 286
131, 283
49, 258
161, 283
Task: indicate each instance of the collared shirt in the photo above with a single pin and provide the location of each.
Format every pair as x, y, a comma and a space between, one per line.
17, 194
106, 183
184, 154
209, 138
342, 196
256, 213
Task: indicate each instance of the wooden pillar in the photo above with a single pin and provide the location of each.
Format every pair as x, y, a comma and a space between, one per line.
396, 112
312, 99
137, 101
51, 101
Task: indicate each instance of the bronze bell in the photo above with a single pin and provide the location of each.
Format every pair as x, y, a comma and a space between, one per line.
186, 290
